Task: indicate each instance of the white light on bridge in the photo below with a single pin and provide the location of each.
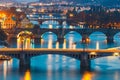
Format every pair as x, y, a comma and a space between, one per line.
50, 15
71, 27
50, 26
50, 44
116, 54
70, 42
97, 46
74, 46
64, 44
57, 45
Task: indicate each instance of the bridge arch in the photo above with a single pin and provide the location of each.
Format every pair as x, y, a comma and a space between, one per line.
117, 37
73, 39
97, 36
25, 39
76, 57
107, 60
73, 36
49, 36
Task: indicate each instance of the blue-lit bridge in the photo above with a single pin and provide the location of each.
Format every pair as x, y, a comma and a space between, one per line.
24, 55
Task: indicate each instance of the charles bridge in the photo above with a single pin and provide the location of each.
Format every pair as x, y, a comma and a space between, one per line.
61, 32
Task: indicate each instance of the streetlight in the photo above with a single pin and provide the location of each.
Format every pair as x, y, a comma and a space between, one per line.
85, 41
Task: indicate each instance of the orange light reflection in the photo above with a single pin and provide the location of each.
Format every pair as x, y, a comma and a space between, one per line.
87, 76
27, 75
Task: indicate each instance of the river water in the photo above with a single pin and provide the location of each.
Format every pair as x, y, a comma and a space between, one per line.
58, 67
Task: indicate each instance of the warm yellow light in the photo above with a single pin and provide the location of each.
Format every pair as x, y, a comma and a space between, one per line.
64, 44
116, 54
27, 75
2, 15
97, 45
71, 15
57, 45
87, 76
50, 44
93, 53
43, 10
50, 26
50, 15
87, 40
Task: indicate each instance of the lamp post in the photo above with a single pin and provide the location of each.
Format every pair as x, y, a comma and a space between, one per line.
85, 42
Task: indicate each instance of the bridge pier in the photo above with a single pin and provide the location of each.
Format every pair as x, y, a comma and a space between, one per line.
85, 64
61, 41
110, 39
24, 62
37, 40
85, 39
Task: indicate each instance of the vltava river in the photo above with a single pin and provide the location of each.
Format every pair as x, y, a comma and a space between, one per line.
58, 67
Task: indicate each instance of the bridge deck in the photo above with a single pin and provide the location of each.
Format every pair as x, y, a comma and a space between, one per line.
58, 50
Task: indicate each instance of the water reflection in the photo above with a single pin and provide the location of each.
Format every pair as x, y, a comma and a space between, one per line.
50, 44
87, 76
64, 44
27, 75
57, 45
5, 69
97, 45
58, 67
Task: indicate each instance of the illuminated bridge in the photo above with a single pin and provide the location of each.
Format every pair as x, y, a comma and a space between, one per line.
61, 32
24, 55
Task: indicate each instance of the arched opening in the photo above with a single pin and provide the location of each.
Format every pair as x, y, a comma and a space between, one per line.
48, 40
106, 63
55, 61
73, 39
117, 37
97, 40
50, 24
97, 36
25, 39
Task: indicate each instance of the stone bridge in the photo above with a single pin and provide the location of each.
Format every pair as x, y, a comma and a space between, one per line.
24, 55
61, 32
